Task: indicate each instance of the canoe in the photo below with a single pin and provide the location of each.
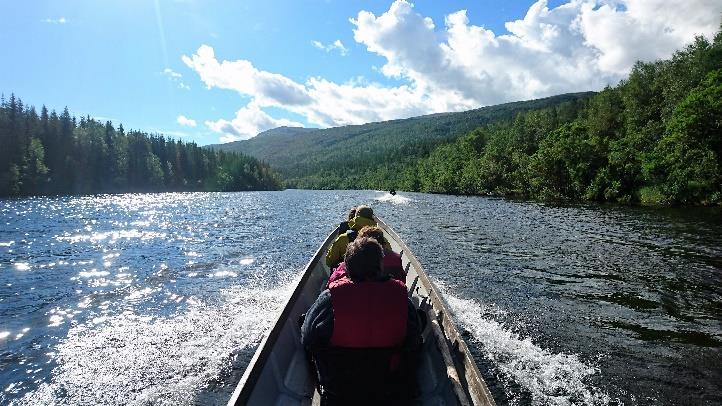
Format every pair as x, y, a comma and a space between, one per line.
279, 373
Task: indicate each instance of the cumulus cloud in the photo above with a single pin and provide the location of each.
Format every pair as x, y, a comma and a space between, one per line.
268, 88
185, 121
336, 45
646, 29
580, 45
249, 121
61, 20
577, 46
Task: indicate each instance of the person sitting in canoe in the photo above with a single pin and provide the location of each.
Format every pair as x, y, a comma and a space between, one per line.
392, 260
363, 333
344, 226
363, 216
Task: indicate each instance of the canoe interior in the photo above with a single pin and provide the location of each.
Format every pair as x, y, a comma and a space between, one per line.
279, 373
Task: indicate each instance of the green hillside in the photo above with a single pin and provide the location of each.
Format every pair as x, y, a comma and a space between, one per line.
338, 157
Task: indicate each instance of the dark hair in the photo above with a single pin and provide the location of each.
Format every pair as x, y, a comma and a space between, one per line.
365, 211
352, 213
363, 259
374, 232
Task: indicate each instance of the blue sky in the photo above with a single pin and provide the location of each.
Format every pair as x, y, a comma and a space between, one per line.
159, 65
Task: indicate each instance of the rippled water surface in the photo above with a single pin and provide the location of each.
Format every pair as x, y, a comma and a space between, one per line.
163, 298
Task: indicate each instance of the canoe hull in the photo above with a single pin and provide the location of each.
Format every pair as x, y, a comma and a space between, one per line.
279, 373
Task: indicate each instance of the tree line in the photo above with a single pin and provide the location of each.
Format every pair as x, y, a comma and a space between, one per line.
656, 138
50, 153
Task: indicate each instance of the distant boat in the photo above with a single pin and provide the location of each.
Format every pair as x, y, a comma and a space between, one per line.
279, 373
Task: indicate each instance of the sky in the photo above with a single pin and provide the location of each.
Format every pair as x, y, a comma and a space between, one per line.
213, 71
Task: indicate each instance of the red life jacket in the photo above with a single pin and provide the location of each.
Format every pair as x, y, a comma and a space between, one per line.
368, 314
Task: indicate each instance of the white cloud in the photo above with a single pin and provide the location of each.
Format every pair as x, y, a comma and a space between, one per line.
241, 76
185, 121
336, 45
580, 45
61, 20
172, 74
175, 77
322, 102
646, 30
249, 121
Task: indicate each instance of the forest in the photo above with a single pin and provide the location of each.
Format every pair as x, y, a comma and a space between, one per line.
47, 153
656, 138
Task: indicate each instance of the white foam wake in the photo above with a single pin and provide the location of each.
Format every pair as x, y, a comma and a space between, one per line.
551, 379
393, 199
131, 359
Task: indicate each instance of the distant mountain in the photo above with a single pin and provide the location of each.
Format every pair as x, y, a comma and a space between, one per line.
302, 152
281, 131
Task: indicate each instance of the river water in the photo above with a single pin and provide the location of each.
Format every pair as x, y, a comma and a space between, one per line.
163, 298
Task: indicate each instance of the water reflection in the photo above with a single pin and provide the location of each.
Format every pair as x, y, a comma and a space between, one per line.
162, 298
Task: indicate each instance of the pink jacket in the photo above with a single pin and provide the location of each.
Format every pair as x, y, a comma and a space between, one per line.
392, 265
